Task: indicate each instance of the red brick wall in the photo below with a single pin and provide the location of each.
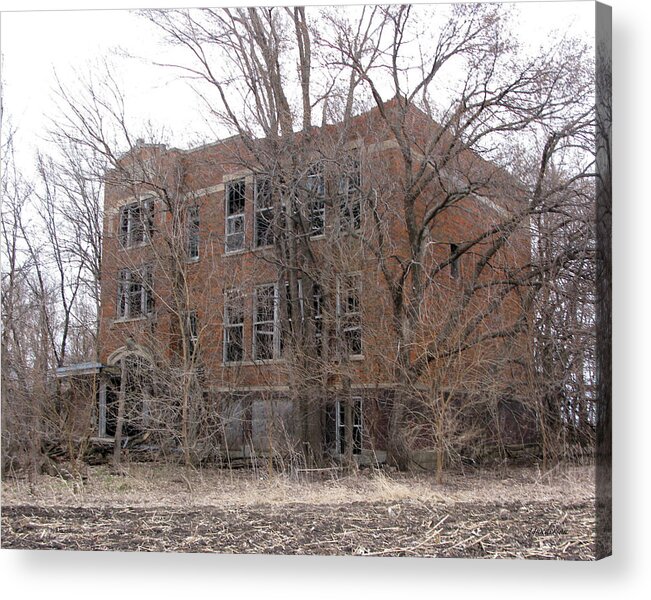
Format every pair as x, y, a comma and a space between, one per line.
216, 271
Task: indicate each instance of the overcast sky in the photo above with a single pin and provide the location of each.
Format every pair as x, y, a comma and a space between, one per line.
38, 44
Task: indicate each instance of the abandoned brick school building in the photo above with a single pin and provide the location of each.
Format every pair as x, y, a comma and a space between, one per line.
246, 295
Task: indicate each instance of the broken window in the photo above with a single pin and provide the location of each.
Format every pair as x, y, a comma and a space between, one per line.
454, 264
263, 202
264, 322
291, 305
350, 207
315, 186
317, 306
136, 222
233, 326
317, 311
135, 293
335, 432
235, 203
349, 313
192, 224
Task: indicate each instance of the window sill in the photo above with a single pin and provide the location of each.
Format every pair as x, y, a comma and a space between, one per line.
254, 363
130, 319
135, 246
236, 252
190, 261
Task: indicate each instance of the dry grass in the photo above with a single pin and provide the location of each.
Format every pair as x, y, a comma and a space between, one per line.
145, 485
522, 513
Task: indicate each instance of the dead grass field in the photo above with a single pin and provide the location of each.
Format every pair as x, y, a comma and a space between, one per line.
521, 513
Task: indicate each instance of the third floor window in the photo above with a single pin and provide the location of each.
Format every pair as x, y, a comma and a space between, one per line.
136, 223
235, 204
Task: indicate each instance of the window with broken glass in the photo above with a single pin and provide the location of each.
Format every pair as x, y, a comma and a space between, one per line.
356, 422
235, 203
315, 186
263, 202
350, 206
297, 307
233, 326
349, 313
192, 224
335, 431
264, 322
317, 307
135, 293
136, 223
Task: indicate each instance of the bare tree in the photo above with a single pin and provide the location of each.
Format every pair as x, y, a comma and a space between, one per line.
449, 148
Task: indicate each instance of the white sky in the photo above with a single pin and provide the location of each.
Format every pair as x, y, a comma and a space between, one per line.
36, 44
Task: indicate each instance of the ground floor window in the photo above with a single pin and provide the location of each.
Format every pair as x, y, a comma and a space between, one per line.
336, 426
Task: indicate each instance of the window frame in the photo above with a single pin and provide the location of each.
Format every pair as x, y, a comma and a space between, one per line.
135, 283
274, 323
316, 196
358, 426
230, 219
130, 224
349, 188
343, 314
193, 228
259, 211
230, 296
317, 309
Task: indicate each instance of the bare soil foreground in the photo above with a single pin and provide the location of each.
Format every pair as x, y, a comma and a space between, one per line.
518, 514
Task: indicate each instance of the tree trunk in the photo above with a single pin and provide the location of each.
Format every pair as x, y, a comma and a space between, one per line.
397, 450
117, 448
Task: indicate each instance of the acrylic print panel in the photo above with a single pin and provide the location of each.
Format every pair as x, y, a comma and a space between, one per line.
411, 360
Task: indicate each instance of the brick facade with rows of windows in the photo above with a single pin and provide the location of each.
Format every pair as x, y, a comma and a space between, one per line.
201, 223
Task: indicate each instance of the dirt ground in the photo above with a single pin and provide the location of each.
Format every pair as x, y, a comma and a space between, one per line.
521, 513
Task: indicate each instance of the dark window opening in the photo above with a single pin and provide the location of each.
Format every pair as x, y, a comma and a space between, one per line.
235, 203
193, 224
350, 316
350, 207
454, 264
135, 293
233, 327
263, 212
264, 322
335, 426
315, 186
136, 223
